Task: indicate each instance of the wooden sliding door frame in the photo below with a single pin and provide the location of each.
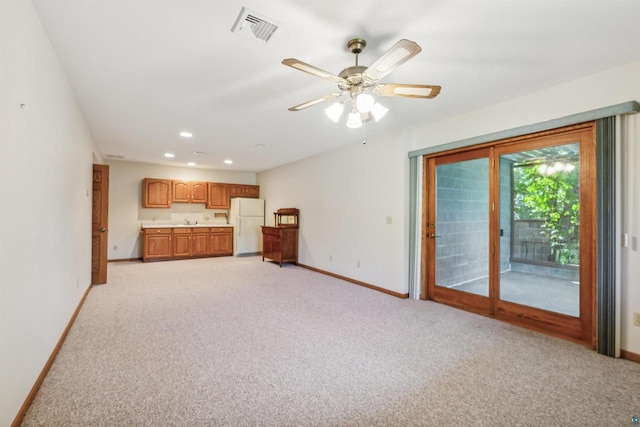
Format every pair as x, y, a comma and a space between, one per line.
582, 329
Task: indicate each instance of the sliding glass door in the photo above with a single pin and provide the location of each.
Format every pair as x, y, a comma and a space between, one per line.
509, 231
458, 229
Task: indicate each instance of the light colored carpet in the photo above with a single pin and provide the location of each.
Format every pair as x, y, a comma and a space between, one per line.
238, 342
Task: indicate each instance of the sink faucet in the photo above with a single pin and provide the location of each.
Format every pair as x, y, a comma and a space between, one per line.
187, 221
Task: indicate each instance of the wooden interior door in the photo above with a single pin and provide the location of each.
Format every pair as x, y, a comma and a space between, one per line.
99, 224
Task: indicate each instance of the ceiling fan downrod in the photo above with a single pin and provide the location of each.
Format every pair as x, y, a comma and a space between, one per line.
356, 46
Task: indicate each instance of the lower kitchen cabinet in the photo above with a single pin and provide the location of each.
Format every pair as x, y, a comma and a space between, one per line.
280, 244
200, 242
181, 242
221, 241
186, 242
157, 244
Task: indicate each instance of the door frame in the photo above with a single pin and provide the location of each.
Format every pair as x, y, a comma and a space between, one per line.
582, 330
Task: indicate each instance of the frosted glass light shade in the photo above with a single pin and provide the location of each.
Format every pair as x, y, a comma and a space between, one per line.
334, 111
364, 102
378, 111
354, 120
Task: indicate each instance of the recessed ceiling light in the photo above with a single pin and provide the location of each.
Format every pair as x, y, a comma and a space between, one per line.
186, 134
191, 164
169, 155
259, 145
228, 161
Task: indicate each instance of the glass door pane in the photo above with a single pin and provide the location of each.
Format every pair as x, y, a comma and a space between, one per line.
462, 226
540, 228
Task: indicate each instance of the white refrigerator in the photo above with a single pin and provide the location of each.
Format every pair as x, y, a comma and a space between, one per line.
247, 217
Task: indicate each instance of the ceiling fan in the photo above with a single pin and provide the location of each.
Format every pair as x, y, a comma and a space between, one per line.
358, 79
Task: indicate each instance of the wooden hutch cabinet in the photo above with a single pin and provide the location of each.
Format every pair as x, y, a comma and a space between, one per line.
280, 243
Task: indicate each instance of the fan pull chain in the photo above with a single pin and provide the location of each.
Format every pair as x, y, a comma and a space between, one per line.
364, 133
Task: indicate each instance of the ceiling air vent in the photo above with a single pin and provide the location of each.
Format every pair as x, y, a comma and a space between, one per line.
261, 27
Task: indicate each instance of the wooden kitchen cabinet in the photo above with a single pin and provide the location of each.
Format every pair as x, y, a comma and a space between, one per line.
243, 190
191, 242
200, 242
160, 193
218, 195
221, 241
186, 242
189, 192
252, 191
156, 193
157, 244
181, 242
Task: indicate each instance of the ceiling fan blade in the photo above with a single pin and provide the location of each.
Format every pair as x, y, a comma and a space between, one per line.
315, 101
399, 53
314, 71
407, 90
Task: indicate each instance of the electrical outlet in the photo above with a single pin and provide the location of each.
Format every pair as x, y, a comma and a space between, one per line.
358, 264
115, 247
636, 319
330, 257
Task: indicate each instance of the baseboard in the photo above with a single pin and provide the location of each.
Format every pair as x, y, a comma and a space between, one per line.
124, 259
357, 282
32, 394
628, 355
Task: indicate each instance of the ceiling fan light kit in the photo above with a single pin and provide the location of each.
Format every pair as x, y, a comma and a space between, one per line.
334, 111
358, 82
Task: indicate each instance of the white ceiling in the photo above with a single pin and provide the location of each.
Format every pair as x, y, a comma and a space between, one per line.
145, 70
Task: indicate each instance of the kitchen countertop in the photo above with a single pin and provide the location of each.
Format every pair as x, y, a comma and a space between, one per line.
203, 225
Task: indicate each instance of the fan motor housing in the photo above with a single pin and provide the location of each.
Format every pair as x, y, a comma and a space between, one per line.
353, 75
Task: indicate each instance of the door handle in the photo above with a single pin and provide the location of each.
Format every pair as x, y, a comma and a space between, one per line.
102, 230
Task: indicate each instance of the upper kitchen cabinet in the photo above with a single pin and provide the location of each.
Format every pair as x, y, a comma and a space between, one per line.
218, 195
189, 192
242, 190
156, 193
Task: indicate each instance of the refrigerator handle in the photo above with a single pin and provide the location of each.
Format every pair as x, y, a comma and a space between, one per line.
238, 222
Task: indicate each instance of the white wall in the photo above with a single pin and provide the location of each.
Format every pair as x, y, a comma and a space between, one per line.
344, 196
46, 157
126, 213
